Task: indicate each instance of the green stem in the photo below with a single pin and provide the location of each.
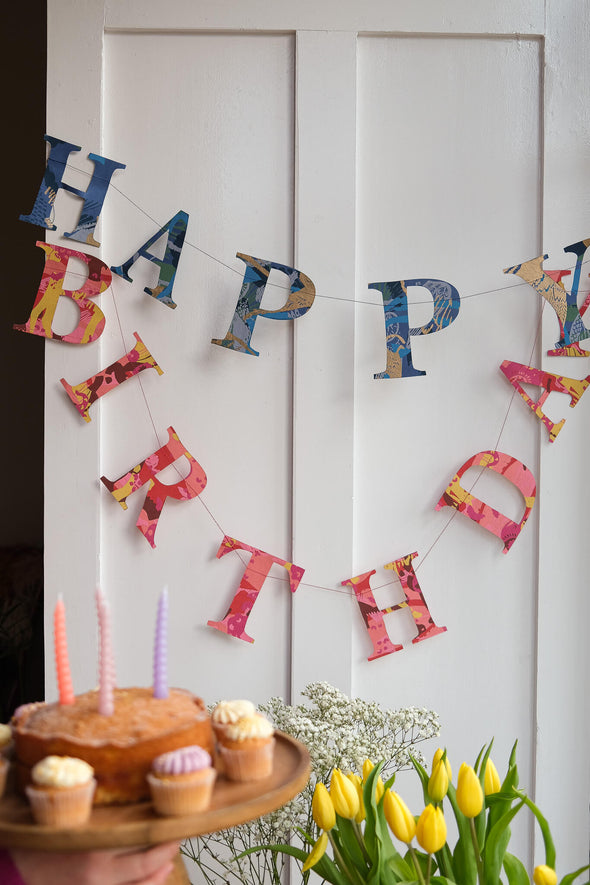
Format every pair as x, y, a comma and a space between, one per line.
478, 860
416, 865
351, 874
428, 868
359, 838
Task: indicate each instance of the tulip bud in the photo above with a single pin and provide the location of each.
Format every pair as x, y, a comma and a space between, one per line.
343, 795
357, 781
379, 785
399, 817
322, 807
317, 852
544, 875
431, 829
491, 780
469, 791
437, 757
439, 782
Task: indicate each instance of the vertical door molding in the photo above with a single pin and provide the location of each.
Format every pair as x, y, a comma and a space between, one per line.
75, 30
563, 713
323, 397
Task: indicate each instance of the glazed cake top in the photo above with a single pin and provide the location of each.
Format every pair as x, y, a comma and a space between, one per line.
137, 716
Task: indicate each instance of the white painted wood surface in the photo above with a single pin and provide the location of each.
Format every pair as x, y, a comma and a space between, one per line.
360, 144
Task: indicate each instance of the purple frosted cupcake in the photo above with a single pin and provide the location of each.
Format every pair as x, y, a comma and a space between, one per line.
181, 781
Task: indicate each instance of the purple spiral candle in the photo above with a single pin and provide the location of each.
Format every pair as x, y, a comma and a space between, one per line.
161, 648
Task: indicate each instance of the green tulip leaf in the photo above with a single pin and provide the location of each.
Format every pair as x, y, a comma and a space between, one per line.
442, 880
444, 859
496, 845
325, 867
349, 844
545, 831
515, 870
345, 842
404, 871
423, 775
567, 880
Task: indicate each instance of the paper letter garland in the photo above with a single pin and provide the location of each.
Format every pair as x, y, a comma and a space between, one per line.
565, 304
234, 622
92, 319
397, 327
373, 616
93, 196
516, 372
145, 471
248, 307
168, 265
87, 392
300, 299
513, 470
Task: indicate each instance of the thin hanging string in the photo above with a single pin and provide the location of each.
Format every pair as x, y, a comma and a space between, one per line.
346, 592
239, 272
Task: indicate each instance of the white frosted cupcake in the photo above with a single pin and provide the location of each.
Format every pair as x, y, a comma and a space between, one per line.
5, 748
62, 791
181, 781
228, 713
5, 739
246, 748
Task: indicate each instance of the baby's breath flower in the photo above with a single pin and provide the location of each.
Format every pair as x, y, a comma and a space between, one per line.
339, 732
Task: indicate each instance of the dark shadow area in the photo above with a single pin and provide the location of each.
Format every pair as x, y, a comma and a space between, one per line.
24, 56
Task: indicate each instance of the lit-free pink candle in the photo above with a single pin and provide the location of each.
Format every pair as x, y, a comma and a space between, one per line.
106, 661
62, 664
161, 648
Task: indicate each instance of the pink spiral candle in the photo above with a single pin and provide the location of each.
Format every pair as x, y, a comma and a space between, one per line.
106, 662
161, 648
62, 664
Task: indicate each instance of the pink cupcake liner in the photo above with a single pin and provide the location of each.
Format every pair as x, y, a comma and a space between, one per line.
183, 795
66, 807
249, 763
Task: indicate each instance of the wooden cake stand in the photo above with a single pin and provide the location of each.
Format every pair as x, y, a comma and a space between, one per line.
117, 826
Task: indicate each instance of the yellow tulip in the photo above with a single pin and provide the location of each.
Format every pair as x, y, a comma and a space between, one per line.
544, 875
491, 780
343, 795
379, 785
358, 783
437, 757
399, 817
322, 807
469, 791
431, 829
317, 852
439, 782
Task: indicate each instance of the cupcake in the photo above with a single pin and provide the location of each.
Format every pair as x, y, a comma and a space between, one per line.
246, 748
61, 792
5, 749
5, 739
181, 781
228, 713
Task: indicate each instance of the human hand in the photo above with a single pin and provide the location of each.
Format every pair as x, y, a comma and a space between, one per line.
120, 867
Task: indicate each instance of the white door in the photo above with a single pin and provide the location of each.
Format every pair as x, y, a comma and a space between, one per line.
358, 144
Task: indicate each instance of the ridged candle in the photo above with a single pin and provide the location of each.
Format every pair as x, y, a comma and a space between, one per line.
106, 662
161, 648
62, 664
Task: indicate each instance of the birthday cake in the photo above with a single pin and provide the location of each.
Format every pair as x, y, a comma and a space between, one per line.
119, 747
